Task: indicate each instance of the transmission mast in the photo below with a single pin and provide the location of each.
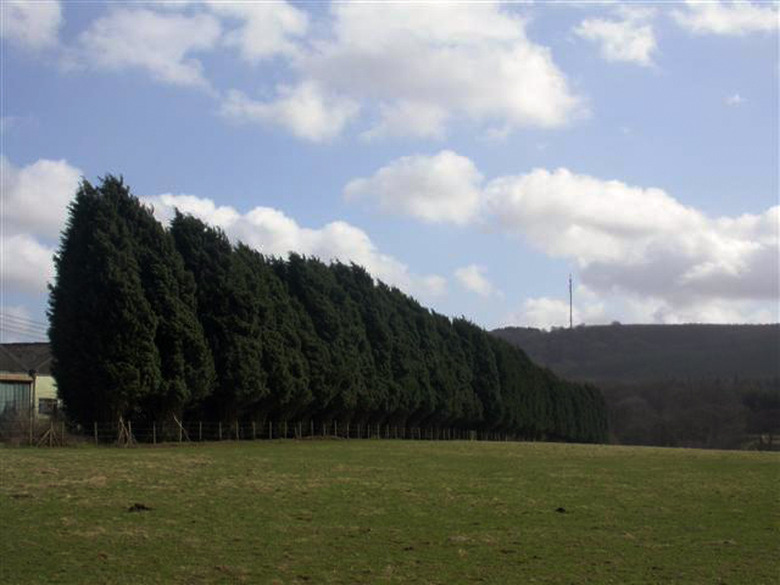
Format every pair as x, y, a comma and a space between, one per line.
571, 305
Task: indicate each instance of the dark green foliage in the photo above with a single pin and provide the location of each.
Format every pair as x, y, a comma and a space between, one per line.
148, 323
229, 313
706, 386
102, 327
124, 336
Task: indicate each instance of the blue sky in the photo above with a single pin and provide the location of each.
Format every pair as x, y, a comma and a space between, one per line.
472, 154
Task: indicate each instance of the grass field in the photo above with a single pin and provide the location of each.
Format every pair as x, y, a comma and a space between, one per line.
389, 512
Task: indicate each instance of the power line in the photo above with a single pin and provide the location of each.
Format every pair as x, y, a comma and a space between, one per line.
23, 327
30, 336
10, 320
23, 320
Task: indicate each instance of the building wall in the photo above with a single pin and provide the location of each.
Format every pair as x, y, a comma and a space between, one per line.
16, 394
45, 394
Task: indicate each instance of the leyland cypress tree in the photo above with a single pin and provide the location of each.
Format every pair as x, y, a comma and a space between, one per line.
102, 326
185, 359
226, 312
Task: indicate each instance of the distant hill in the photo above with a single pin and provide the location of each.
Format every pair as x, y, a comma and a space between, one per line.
640, 353
711, 386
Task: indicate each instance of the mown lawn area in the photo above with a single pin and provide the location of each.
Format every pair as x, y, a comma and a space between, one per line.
372, 511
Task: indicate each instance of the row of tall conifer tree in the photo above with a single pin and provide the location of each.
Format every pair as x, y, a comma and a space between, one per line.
149, 322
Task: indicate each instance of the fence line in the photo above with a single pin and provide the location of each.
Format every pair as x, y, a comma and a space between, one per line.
58, 433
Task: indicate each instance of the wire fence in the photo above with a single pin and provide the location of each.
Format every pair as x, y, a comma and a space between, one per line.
53, 432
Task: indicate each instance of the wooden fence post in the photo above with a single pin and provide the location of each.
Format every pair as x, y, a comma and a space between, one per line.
96, 433
220, 430
200, 431
254, 431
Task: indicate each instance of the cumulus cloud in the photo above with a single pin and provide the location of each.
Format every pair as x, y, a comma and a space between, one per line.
34, 207
27, 264
266, 29
413, 69
32, 25
162, 44
273, 232
640, 239
406, 118
629, 40
36, 197
541, 312
625, 240
728, 18
472, 60
591, 308
472, 278
410, 70
305, 110
445, 187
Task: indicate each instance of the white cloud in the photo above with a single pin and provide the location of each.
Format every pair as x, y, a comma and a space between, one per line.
27, 265
33, 211
734, 100
162, 44
441, 188
165, 205
472, 278
728, 18
267, 28
35, 198
405, 118
627, 241
306, 110
541, 312
414, 68
470, 60
631, 40
32, 25
272, 232
640, 240
592, 308
410, 69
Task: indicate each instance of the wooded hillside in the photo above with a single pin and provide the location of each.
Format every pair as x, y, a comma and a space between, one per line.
149, 322
672, 385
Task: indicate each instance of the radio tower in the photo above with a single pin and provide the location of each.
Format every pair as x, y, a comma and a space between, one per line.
571, 311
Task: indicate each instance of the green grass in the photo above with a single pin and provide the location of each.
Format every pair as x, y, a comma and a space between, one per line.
389, 512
